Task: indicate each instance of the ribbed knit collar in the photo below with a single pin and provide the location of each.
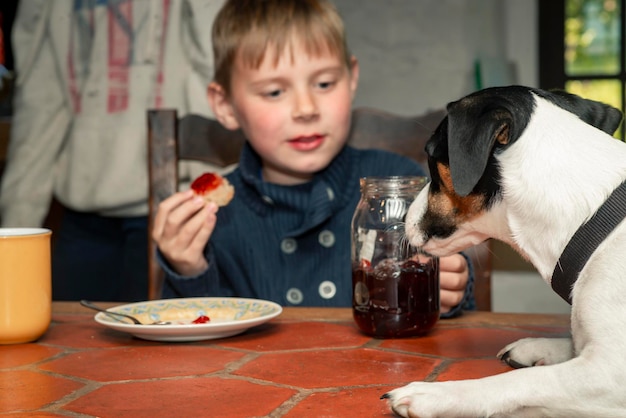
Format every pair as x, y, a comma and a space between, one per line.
302, 206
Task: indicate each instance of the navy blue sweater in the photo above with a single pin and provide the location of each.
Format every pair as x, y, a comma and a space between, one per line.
288, 244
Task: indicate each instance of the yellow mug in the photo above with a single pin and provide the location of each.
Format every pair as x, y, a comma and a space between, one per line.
25, 284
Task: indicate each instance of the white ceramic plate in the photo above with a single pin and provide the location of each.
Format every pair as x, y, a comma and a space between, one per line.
228, 316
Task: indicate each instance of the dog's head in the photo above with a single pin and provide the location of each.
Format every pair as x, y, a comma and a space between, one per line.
465, 176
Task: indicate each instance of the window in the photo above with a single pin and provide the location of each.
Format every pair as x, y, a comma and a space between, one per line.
581, 49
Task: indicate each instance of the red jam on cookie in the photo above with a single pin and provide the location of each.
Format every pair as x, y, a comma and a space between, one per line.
213, 188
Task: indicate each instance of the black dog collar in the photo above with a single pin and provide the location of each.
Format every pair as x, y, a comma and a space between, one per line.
586, 240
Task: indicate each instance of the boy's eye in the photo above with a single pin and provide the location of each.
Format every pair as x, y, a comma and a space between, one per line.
272, 94
324, 85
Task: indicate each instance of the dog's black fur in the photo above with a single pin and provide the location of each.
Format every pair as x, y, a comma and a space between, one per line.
497, 117
506, 117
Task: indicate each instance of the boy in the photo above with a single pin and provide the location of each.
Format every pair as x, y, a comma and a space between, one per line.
284, 75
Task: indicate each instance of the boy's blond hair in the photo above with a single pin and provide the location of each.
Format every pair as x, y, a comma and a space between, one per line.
244, 29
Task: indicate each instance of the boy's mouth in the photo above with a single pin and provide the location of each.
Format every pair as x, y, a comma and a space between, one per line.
307, 143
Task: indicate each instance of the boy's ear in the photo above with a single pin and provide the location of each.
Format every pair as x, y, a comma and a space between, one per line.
354, 72
221, 106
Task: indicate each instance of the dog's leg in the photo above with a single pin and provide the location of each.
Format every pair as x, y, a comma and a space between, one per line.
576, 388
529, 352
588, 385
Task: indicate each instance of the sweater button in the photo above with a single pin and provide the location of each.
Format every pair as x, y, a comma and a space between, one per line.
288, 245
330, 193
326, 238
327, 289
295, 296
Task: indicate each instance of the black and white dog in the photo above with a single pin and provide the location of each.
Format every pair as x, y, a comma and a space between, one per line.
530, 167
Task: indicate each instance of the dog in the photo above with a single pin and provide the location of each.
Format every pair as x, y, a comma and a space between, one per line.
528, 167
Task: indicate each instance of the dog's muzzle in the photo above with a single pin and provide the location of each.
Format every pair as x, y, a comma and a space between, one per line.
414, 233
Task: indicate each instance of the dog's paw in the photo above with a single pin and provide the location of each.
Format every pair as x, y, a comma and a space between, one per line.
425, 400
529, 352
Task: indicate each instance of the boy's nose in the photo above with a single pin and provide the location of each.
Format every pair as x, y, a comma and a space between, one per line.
305, 106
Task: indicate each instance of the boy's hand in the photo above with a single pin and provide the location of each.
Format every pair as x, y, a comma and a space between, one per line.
182, 227
453, 276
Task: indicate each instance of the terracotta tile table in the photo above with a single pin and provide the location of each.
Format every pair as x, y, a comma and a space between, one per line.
308, 362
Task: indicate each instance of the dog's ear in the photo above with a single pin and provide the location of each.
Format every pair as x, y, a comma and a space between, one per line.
598, 114
472, 133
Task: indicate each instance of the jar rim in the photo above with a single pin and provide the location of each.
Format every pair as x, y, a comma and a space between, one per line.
418, 178
392, 183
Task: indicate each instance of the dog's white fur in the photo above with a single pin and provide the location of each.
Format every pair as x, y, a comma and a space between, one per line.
579, 377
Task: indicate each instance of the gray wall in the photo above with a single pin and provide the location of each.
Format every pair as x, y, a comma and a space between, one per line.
417, 55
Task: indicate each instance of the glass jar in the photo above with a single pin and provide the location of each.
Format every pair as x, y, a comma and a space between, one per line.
395, 287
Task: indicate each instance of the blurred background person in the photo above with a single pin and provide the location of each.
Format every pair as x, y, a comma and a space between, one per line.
87, 71
7, 15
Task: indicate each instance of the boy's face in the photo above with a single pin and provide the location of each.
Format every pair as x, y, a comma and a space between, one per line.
295, 114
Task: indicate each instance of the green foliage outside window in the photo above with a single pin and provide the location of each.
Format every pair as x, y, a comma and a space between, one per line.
593, 49
592, 37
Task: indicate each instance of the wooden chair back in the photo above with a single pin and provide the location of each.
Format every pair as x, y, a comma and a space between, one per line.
197, 138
